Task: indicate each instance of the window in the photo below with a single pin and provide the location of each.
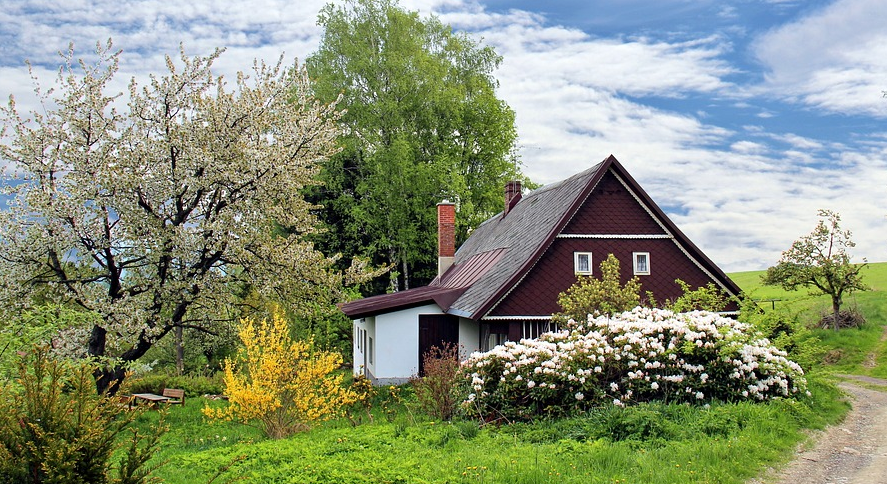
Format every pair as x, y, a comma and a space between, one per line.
493, 334
370, 349
532, 329
582, 263
641, 263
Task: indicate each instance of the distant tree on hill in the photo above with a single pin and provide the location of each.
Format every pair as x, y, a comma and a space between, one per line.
151, 215
820, 261
422, 124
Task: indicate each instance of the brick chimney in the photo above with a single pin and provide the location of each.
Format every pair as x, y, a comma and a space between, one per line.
512, 195
446, 235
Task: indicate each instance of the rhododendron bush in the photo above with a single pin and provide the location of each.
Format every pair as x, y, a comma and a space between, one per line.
640, 355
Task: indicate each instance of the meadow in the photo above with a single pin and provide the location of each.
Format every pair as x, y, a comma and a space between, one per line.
392, 441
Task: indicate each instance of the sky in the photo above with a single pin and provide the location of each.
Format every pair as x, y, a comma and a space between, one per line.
740, 118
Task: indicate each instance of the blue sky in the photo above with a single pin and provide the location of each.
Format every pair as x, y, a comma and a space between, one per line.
741, 118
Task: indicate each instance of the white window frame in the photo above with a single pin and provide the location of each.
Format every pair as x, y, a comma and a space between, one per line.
576, 257
637, 270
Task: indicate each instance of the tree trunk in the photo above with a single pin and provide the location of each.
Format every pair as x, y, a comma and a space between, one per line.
836, 312
180, 351
406, 275
393, 277
108, 379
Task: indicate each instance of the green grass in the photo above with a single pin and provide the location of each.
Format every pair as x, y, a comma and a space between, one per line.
650, 443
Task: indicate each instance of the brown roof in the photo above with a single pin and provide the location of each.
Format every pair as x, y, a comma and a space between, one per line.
502, 250
442, 291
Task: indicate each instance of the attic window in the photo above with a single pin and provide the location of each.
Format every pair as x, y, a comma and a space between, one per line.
582, 263
641, 263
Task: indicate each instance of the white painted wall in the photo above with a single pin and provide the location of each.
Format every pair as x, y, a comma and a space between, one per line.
359, 350
469, 337
397, 343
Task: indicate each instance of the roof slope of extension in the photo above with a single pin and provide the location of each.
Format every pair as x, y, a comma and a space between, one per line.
501, 251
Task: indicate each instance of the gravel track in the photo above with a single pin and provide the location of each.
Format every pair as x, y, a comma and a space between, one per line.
851, 452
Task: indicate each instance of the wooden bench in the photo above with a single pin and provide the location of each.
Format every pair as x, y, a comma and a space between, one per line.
176, 396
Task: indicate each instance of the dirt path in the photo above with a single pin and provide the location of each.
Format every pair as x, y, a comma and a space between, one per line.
852, 452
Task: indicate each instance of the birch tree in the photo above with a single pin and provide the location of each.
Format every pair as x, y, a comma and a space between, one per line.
422, 124
148, 209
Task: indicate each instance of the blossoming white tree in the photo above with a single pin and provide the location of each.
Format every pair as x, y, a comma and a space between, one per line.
149, 213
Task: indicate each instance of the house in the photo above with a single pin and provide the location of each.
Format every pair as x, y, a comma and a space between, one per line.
503, 282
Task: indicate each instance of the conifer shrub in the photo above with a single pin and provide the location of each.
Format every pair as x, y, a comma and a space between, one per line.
637, 356
55, 428
280, 384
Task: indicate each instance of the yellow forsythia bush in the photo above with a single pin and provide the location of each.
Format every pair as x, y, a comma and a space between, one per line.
280, 384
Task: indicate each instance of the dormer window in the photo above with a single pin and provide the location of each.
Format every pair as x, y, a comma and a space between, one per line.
582, 263
641, 263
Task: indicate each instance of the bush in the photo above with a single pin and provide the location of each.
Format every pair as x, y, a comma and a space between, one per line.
55, 428
704, 298
786, 330
39, 326
605, 295
435, 391
642, 355
279, 384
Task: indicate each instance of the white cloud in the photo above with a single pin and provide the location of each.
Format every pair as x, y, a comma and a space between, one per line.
834, 58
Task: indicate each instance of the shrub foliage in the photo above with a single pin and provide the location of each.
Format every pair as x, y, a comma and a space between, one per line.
641, 355
606, 295
435, 391
282, 384
54, 428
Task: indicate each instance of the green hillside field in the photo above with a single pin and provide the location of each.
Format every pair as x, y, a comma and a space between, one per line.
860, 351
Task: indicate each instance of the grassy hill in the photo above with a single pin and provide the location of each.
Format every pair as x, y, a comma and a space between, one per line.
875, 276
860, 351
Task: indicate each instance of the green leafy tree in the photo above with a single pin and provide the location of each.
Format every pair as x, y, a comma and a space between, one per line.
42, 325
607, 295
149, 212
422, 124
820, 261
